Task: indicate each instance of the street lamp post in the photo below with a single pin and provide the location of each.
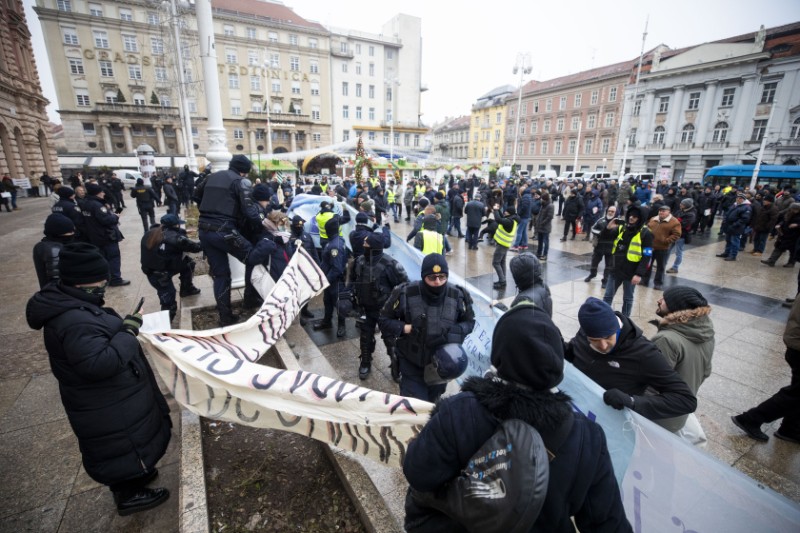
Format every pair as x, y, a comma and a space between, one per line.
269, 105
523, 66
393, 83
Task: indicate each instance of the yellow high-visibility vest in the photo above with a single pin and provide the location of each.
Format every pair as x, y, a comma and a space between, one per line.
322, 219
432, 242
503, 237
634, 253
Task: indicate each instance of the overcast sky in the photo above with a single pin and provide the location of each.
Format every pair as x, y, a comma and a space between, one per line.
470, 48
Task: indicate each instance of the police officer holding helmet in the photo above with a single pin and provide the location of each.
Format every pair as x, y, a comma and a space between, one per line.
429, 319
225, 209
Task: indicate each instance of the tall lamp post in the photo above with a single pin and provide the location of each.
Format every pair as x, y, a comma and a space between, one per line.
393, 82
523, 66
268, 103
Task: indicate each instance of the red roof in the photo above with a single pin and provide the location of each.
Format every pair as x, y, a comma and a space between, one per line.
276, 12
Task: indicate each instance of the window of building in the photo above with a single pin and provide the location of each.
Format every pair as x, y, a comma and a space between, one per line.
578, 98
498, 118
768, 92
371, 51
575, 123
256, 107
612, 94
275, 61
345, 88
663, 104
358, 68
277, 107
388, 115
76, 66
557, 147
252, 57
161, 74
548, 105
129, 43
795, 133
316, 137
70, 36
64, 5
371, 113
100, 39
372, 69
138, 99
345, 135
545, 147
166, 101
238, 134
591, 121
88, 128
156, 46
595, 97
562, 103
135, 72
231, 57
276, 86
83, 97
358, 90
694, 101
125, 14
314, 88
372, 91
522, 128
560, 124
152, 18
388, 94
358, 112
720, 132
532, 148
606, 146
496, 135
687, 134
344, 47
658, 135
228, 30
315, 112
637, 107
294, 63
250, 33
588, 146
389, 53
632, 138
295, 87
571, 146
536, 106
233, 81
255, 83
236, 107
313, 43
95, 10
345, 111
728, 96
195, 131
759, 130
313, 66
344, 67
111, 97
546, 127
272, 36
609, 122
106, 69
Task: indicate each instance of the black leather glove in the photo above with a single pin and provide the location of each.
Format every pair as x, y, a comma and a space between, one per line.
387, 226
132, 323
618, 399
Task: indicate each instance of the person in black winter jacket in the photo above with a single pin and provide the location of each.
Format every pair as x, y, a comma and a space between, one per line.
736, 220
526, 269
67, 206
632, 257
171, 197
58, 231
108, 389
528, 361
102, 230
612, 351
603, 241
146, 200
573, 209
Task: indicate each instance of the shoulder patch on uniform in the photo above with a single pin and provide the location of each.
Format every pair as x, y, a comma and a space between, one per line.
334, 253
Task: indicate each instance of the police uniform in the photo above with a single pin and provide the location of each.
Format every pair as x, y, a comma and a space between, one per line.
162, 256
438, 316
146, 199
102, 230
376, 275
334, 265
225, 208
69, 208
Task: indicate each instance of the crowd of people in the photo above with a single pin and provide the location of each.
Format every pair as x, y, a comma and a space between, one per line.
423, 324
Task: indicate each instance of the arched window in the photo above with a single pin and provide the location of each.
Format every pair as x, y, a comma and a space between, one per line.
687, 134
658, 135
720, 132
795, 129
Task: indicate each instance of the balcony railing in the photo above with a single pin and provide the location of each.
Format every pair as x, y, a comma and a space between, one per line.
682, 146
339, 53
278, 117
715, 145
128, 109
655, 146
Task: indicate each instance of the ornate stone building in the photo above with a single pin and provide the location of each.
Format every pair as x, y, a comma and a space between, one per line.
451, 140
25, 144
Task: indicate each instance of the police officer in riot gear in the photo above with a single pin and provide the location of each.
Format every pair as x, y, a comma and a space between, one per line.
146, 199
163, 255
376, 275
334, 265
423, 316
225, 209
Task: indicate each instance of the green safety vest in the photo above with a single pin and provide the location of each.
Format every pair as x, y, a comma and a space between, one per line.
322, 219
390, 196
634, 253
419, 190
374, 182
324, 187
432, 242
504, 238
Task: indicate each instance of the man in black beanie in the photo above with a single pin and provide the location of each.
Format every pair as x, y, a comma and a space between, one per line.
612, 351
58, 231
108, 389
528, 364
226, 209
67, 206
504, 237
686, 338
423, 316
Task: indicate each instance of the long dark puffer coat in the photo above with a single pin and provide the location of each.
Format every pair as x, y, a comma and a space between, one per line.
107, 387
582, 482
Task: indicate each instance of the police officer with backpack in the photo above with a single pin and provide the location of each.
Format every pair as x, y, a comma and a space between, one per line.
527, 364
424, 316
376, 275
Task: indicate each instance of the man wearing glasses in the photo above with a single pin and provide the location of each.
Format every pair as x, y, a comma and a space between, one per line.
424, 316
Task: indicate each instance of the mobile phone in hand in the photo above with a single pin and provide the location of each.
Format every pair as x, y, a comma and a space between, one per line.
138, 306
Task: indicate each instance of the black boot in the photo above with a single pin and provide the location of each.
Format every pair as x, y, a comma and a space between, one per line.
323, 324
305, 313
140, 500
365, 367
341, 331
589, 278
191, 290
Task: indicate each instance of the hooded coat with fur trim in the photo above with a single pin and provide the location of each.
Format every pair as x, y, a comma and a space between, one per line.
686, 339
582, 482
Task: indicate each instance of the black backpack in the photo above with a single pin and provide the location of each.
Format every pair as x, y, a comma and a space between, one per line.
503, 486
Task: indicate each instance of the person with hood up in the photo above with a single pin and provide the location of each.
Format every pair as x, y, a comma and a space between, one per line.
527, 357
507, 226
544, 224
58, 231
526, 269
632, 253
686, 338
613, 352
108, 389
365, 225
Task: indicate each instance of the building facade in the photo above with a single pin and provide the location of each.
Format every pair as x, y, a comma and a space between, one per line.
488, 126
376, 79
451, 140
26, 150
568, 123
713, 104
115, 70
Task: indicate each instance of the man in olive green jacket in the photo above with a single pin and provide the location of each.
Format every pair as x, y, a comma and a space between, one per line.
686, 338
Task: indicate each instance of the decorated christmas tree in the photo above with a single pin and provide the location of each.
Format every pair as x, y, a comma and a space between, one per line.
362, 160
